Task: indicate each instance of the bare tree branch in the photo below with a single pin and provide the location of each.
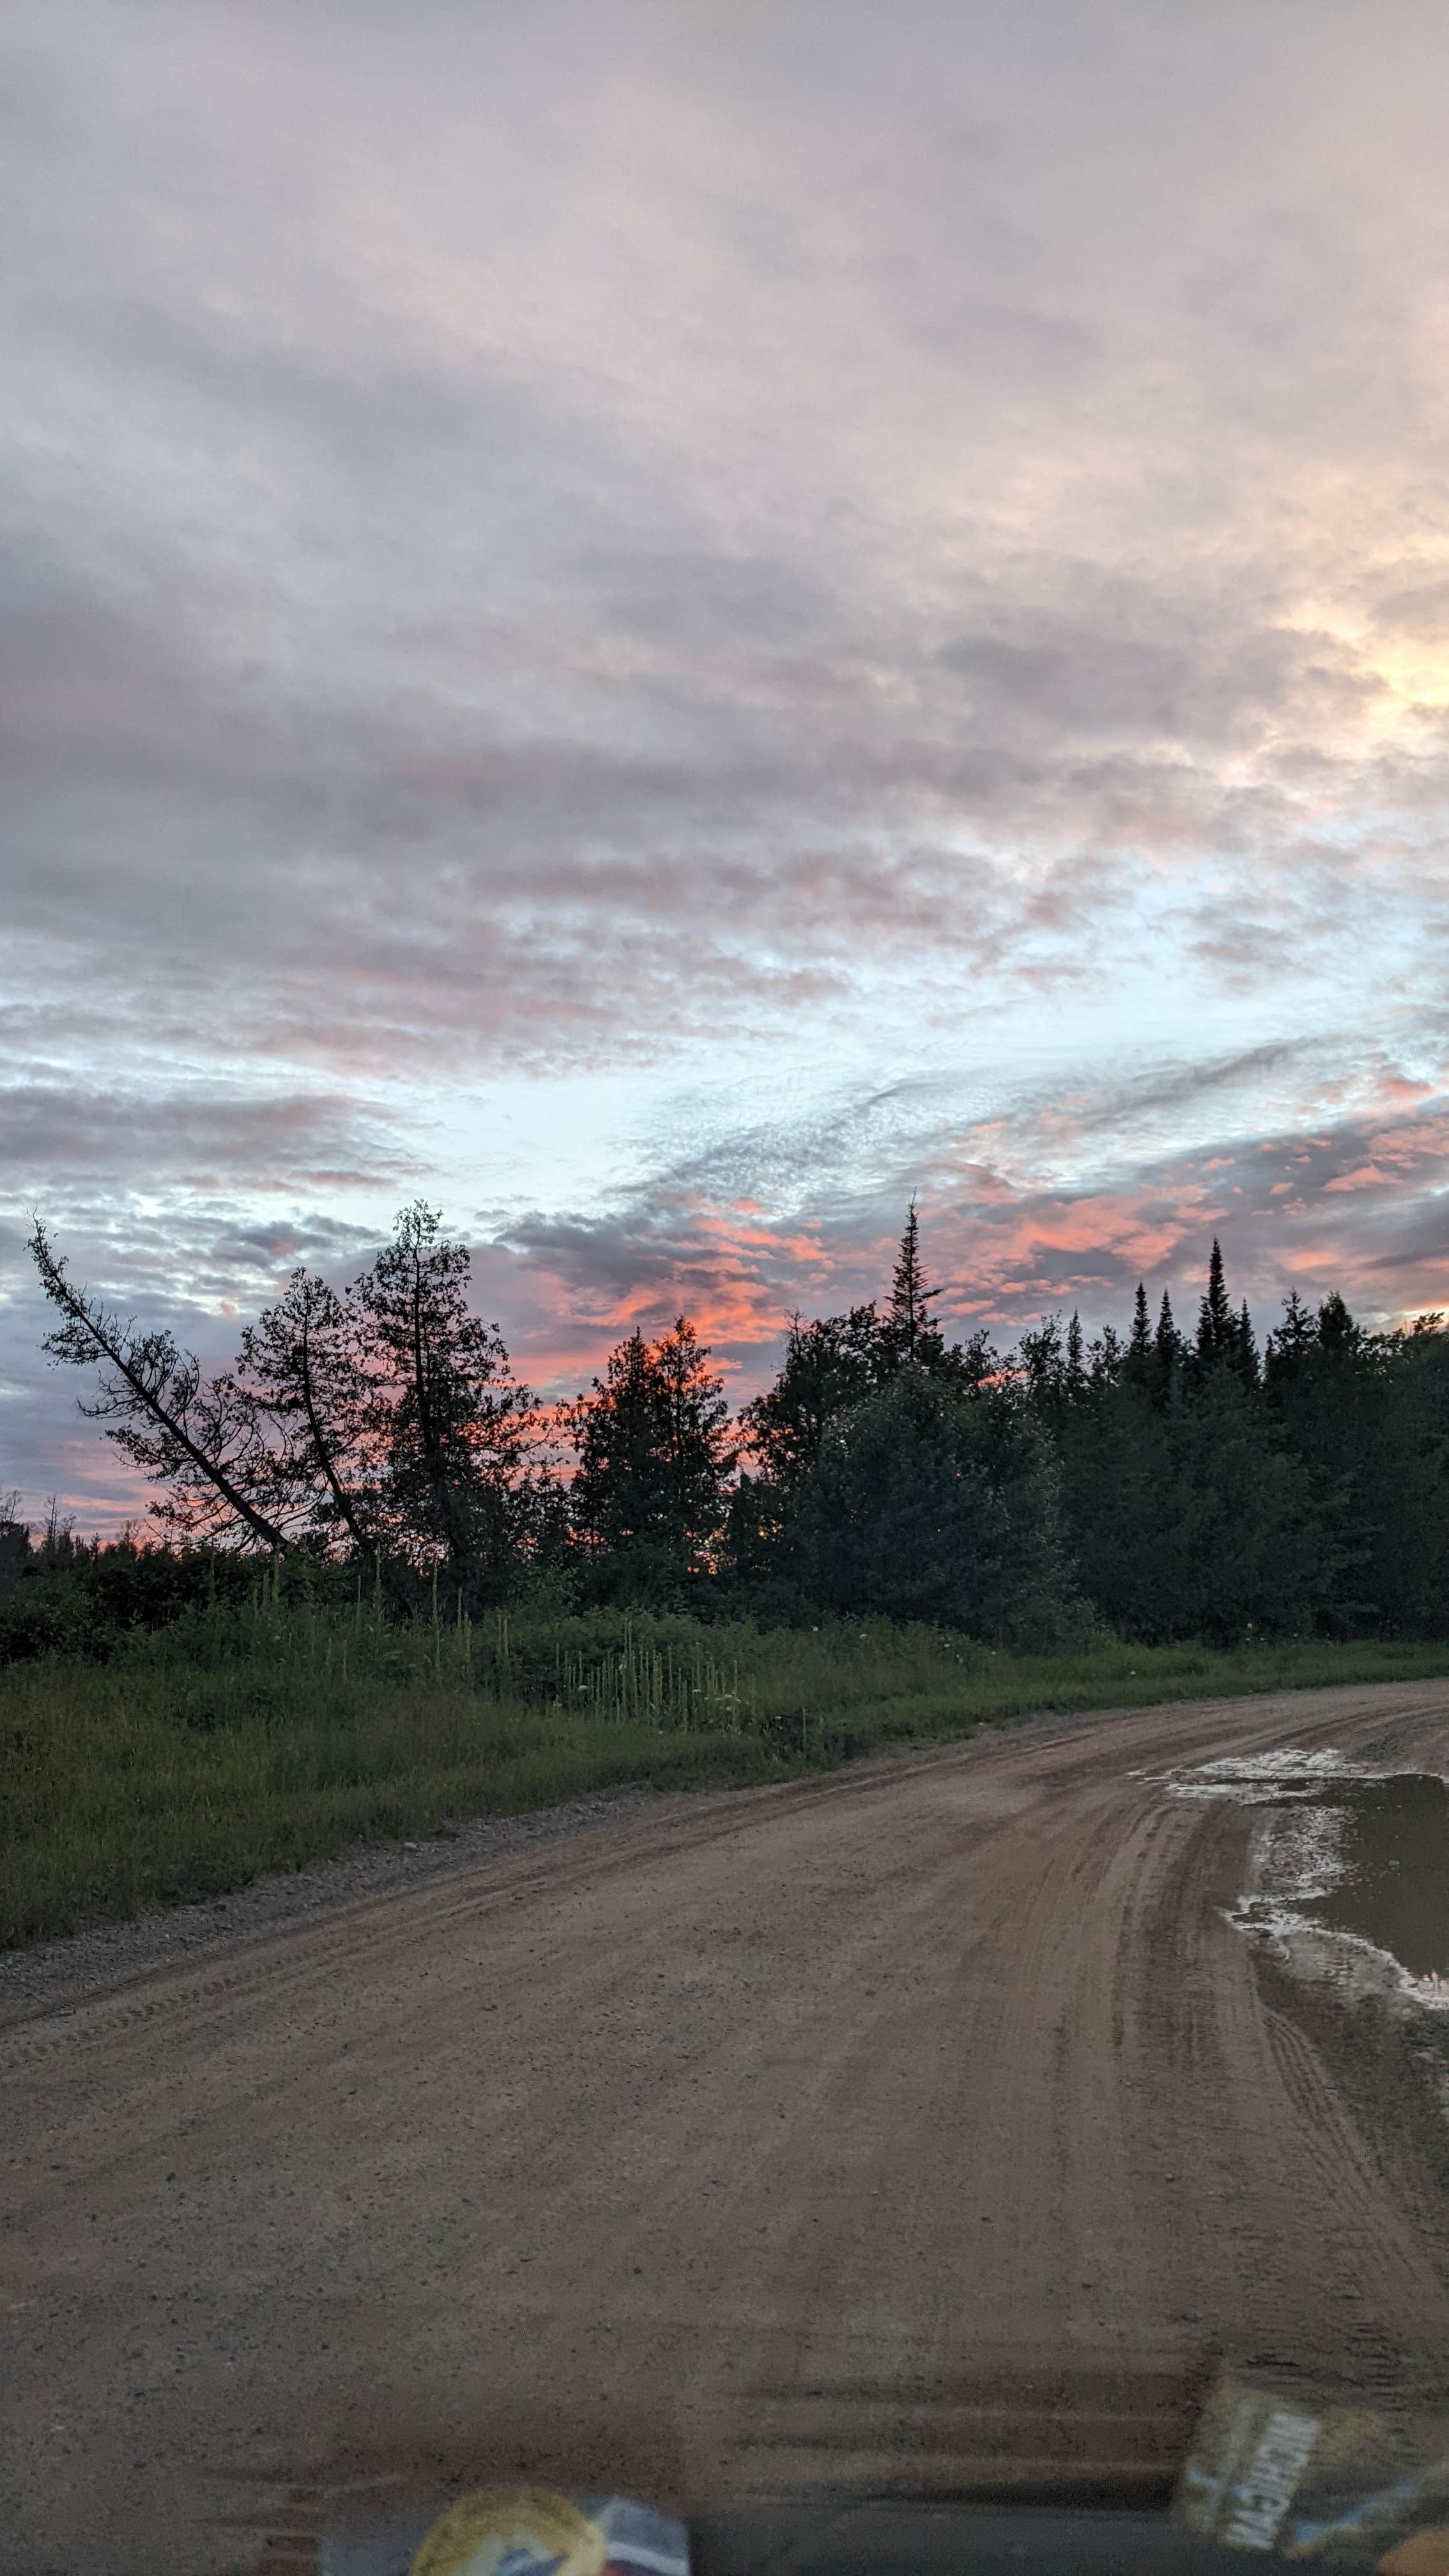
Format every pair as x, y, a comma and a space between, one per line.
200, 1437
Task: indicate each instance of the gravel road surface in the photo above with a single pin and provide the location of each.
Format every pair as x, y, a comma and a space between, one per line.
913, 2129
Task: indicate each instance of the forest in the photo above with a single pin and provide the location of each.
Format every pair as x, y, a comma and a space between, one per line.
1162, 1483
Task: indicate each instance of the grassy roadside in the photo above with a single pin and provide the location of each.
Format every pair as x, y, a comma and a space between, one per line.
206, 1754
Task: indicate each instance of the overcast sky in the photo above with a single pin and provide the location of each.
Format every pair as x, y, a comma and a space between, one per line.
667, 625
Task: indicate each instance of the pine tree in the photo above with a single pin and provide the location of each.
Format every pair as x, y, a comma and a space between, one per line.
909, 1331
1290, 1341
930, 1500
828, 1365
1167, 1342
197, 1438
449, 1423
1338, 1335
1076, 1374
1216, 1322
654, 1453
1138, 1362
1245, 1355
301, 1369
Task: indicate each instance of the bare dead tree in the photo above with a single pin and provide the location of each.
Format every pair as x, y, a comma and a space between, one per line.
202, 1438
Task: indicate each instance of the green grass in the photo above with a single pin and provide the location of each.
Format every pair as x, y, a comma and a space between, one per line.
273, 1737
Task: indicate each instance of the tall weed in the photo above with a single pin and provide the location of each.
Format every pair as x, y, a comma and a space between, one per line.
269, 1733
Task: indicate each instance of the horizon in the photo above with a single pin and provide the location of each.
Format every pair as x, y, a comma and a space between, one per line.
669, 628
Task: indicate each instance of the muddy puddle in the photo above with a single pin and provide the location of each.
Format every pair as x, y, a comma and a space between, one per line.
1391, 1886
1348, 1868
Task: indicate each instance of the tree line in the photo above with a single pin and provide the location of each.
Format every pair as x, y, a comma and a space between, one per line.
1165, 1483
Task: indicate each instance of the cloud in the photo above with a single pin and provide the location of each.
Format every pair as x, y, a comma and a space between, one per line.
1004, 1241
1022, 1213
891, 580
57, 1137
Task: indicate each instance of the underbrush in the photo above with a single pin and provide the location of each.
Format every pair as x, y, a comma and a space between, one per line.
262, 1735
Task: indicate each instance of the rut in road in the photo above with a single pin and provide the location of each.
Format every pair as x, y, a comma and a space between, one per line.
916, 2130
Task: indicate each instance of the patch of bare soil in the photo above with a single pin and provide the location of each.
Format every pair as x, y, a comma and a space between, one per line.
914, 2131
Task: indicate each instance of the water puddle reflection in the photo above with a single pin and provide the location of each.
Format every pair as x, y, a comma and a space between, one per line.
1348, 1869
1392, 1864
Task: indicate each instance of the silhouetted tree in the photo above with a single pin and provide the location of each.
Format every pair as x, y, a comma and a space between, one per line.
387, 1419
1368, 1415
932, 1500
1216, 1324
301, 1369
828, 1365
449, 1426
908, 1329
1141, 1360
197, 1438
1040, 1363
1197, 1491
1167, 1341
1245, 1353
654, 1452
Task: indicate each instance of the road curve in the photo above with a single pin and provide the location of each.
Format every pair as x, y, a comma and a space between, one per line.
916, 2127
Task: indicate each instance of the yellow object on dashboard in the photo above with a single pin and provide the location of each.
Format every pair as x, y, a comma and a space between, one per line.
475, 2536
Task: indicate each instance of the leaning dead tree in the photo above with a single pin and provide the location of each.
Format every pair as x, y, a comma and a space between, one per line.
203, 1439
384, 1423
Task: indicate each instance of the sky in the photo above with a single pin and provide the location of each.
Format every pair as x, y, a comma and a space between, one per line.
668, 626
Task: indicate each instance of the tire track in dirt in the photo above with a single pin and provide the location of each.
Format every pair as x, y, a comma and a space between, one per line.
910, 2131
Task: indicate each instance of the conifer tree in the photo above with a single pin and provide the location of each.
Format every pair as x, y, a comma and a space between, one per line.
1289, 1341
300, 1368
1138, 1362
934, 1500
908, 1330
1167, 1341
654, 1452
1041, 1364
193, 1436
386, 1421
1216, 1322
1246, 1353
450, 1424
1338, 1335
828, 1365
1106, 1358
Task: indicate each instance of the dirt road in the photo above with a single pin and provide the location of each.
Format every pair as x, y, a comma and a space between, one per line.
917, 2126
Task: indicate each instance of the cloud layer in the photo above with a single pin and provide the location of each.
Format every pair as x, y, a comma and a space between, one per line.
669, 623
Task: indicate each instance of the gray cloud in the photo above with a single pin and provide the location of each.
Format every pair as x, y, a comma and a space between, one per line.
1005, 1240
632, 543
69, 1135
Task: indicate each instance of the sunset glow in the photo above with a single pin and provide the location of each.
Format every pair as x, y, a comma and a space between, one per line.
666, 627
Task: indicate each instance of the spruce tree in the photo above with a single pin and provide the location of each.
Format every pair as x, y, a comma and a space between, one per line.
931, 1500
828, 1365
1167, 1340
301, 1369
908, 1330
1290, 1341
1040, 1366
1216, 1323
1138, 1362
654, 1452
450, 1425
1324, 1384
1245, 1355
